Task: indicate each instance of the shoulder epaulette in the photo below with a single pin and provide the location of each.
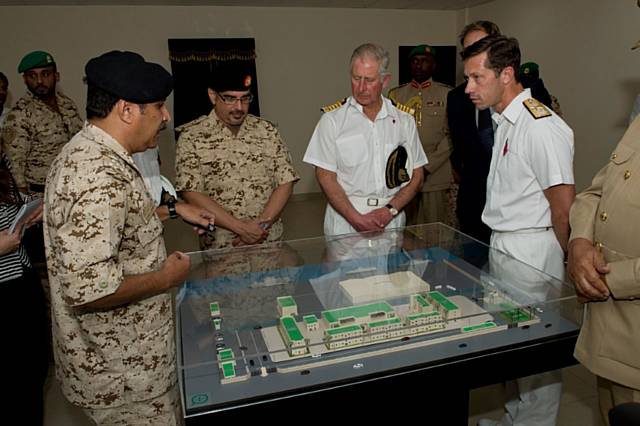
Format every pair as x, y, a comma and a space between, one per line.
333, 106
536, 108
192, 123
268, 122
392, 92
443, 85
403, 107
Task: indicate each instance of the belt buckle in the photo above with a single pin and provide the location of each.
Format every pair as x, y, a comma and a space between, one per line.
372, 202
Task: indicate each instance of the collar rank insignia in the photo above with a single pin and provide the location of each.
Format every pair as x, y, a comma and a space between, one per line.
536, 108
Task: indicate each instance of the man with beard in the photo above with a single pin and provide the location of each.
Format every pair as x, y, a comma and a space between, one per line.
40, 123
235, 165
429, 99
109, 272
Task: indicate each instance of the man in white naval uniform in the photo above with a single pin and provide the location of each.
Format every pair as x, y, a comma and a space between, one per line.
530, 190
351, 146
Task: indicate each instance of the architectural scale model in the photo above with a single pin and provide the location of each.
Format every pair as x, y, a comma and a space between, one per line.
407, 310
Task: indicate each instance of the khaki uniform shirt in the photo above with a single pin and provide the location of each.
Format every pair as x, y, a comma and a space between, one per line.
606, 213
33, 135
100, 226
431, 120
238, 172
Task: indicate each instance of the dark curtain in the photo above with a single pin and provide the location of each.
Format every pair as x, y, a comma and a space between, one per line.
193, 62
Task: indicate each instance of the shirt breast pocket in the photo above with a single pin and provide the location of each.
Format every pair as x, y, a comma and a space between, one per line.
624, 171
433, 111
150, 227
352, 150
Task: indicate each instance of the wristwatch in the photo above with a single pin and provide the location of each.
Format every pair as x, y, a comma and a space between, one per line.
171, 205
392, 210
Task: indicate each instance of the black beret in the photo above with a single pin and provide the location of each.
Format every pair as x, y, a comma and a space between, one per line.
128, 76
231, 75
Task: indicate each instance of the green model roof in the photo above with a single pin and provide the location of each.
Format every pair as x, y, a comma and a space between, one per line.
336, 315
487, 324
310, 319
290, 326
214, 307
340, 330
421, 301
286, 301
225, 355
228, 370
384, 322
443, 301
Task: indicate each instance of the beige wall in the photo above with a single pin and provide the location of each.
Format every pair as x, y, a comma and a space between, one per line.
302, 53
583, 48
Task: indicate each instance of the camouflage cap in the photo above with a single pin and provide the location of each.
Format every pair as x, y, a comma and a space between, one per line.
128, 76
423, 49
35, 59
231, 75
529, 69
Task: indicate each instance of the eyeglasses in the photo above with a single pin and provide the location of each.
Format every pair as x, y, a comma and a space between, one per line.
231, 100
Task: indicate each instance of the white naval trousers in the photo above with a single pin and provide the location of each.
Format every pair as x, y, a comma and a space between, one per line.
533, 400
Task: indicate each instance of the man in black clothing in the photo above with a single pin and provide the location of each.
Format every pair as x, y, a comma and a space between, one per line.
472, 139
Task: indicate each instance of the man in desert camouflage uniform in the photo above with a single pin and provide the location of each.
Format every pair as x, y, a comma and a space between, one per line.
34, 132
235, 165
429, 100
108, 268
40, 123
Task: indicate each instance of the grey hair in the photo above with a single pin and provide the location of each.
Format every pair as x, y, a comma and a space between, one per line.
374, 51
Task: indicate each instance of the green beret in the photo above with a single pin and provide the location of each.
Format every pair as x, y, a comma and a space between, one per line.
128, 76
529, 69
231, 76
36, 59
423, 49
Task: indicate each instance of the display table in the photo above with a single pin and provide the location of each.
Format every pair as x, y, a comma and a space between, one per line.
401, 320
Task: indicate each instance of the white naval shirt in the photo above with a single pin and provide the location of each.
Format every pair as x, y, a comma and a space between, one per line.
529, 155
346, 142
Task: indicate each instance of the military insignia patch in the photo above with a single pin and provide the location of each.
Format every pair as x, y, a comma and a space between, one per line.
333, 106
396, 172
536, 108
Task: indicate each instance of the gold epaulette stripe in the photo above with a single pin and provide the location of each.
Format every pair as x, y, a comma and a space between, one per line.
333, 106
536, 108
404, 108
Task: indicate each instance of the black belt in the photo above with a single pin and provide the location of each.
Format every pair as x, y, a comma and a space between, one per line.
35, 187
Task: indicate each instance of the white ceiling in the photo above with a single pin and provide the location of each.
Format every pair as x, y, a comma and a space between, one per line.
366, 4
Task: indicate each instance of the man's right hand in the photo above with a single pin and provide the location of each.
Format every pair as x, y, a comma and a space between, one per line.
201, 219
587, 267
250, 232
176, 268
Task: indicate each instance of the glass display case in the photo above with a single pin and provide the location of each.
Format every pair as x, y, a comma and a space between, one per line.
258, 324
